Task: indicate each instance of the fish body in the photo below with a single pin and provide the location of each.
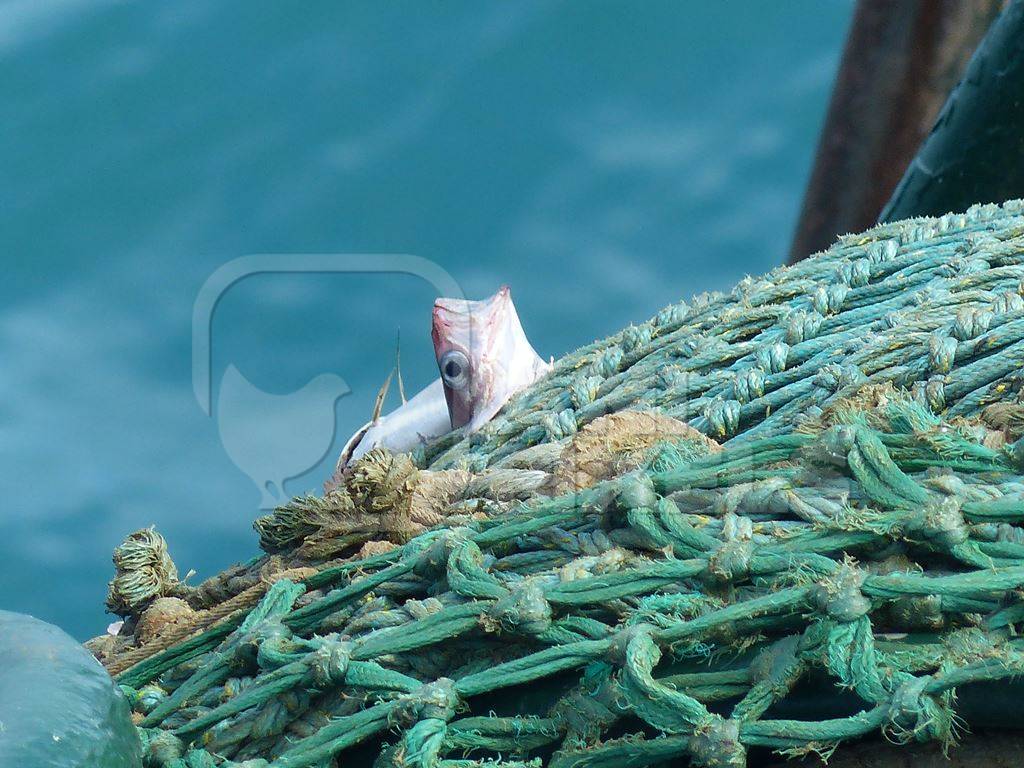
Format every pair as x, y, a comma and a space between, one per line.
483, 357
423, 417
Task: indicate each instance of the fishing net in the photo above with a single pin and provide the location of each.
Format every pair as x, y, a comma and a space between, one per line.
780, 519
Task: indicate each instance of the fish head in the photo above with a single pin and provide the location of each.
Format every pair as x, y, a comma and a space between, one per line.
483, 356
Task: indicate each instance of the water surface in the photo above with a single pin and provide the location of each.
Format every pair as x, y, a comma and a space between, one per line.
605, 159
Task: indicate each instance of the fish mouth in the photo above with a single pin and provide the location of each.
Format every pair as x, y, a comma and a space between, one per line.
470, 326
477, 330
456, 315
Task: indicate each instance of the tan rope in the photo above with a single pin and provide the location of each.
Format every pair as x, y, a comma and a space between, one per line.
204, 620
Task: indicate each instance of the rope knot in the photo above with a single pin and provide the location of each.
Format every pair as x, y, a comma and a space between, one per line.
431, 701
559, 425
620, 641
636, 336
883, 250
931, 393
839, 596
524, 610
971, 322
774, 660
146, 699
918, 612
856, 273
583, 390
1007, 301
607, 363
669, 377
275, 648
942, 523
773, 357
760, 497
748, 385
329, 663
941, 352
267, 631
723, 417
731, 560
801, 326
590, 708
716, 744
828, 299
635, 491
672, 315
834, 377
161, 747
836, 442
916, 716
432, 561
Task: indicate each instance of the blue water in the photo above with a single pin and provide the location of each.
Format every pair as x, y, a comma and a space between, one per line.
603, 158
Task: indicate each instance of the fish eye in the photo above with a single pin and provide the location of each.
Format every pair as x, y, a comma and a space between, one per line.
454, 367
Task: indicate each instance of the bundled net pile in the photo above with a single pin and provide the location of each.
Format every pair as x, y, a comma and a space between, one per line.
809, 490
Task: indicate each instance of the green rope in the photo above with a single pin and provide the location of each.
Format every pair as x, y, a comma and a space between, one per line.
850, 530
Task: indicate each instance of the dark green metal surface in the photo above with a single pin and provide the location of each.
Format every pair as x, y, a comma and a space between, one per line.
975, 152
900, 63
